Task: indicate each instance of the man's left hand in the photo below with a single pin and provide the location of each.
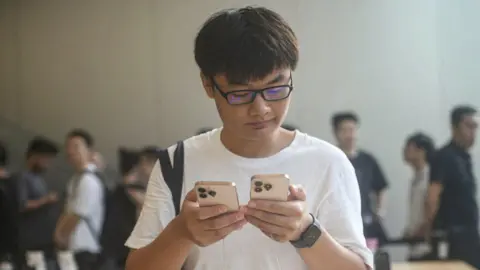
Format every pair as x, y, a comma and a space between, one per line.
281, 221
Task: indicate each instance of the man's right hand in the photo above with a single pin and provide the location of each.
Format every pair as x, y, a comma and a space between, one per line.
207, 225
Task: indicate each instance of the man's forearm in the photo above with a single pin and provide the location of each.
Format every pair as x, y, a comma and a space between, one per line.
328, 254
380, 203
34, 204
170, 250
67, 225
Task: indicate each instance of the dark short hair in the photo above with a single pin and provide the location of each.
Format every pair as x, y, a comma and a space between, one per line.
289, 127
83, 134
245, 44
339, 117
459, 112
127, 160
150, 153
203, 130
3, 155
424, 142
41, 146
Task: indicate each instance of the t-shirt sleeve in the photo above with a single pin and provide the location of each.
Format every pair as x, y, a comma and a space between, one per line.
438, 169
87, 195
158, 210
21, 188
339, 208
379, 182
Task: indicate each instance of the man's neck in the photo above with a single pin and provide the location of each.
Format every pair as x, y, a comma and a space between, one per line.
257, 148
349, 151
419, 166
458, 142
82, 167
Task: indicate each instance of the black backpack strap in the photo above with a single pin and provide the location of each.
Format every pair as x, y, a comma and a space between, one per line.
173, 174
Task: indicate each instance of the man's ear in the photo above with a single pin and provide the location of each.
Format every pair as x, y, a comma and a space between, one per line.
207, 85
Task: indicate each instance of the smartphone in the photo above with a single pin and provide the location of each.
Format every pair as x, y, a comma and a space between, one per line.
211, 193
270, 187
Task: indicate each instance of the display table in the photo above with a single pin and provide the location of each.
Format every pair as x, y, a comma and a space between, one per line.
432, 266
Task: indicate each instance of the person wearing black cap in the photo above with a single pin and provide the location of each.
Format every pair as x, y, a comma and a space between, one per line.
35, 202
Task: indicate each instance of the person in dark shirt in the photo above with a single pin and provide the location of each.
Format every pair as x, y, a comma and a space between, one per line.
9, 251
452, 202
127, 200
36, 203
370, 177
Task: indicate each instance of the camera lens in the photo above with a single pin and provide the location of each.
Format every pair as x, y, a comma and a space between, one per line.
203, 195
258, 189
212, 193
268, 186
258, 183
202, 190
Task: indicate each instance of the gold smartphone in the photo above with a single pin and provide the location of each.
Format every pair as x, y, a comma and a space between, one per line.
211, 193
270, 187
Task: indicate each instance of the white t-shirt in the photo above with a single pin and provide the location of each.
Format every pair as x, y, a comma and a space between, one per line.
85, 199
322, 169
418, 198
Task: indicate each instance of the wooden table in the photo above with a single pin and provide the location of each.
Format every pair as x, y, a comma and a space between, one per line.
432, 266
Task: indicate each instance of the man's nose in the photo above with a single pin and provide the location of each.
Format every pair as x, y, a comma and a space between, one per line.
260, 106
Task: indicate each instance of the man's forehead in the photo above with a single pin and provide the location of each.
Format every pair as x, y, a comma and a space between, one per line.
272, 78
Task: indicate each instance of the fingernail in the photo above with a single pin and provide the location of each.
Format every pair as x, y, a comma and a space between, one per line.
251, 204
222, 209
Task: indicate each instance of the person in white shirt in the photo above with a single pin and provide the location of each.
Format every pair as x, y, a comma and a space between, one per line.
247, 59
79, 227
418, 152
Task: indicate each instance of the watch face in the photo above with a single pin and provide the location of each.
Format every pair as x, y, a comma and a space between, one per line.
311, 235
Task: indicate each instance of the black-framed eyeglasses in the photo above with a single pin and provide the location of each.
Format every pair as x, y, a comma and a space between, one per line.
241, 97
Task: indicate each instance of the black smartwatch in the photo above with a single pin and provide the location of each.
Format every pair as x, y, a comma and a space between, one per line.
310, 236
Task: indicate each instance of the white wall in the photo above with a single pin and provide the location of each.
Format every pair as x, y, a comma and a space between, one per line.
125, 70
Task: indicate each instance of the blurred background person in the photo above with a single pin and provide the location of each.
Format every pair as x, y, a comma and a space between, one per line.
418, 153
127, 201
371, 179
36, 203
9, 250
80, 225
148, 158
452, 194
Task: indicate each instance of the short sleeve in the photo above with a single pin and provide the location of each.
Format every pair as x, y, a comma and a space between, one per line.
21, 188
158, 210
339, 209
87, 195
379, 182
438, 169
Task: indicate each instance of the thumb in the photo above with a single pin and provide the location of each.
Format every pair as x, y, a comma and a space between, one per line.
191, 196
297, 193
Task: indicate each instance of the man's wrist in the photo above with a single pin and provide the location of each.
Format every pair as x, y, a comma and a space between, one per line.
305, 223
179, 231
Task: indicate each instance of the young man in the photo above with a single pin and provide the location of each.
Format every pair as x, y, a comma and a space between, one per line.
80, 225
36, 203
247, 58
452, 193
370, 177
418, 153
